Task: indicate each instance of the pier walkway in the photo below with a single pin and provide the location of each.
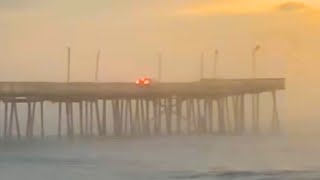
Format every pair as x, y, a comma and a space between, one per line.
125, 109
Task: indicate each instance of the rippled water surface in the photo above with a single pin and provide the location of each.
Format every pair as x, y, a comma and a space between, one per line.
188, 157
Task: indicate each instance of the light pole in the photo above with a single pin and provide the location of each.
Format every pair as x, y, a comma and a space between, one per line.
97, 66
215, 63
254, 59
201, 65
255, 96
68, 63
160, 57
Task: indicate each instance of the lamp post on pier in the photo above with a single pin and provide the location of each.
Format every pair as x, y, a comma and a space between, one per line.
97, 66
254, 60
201, 65
215, 63
68, 63
160, 58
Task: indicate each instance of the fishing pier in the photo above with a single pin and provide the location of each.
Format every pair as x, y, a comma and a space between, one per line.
208, 106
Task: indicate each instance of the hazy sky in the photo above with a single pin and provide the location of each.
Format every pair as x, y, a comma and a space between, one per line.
34, 34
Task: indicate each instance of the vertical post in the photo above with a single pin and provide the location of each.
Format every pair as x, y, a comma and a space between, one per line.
255, 113
99, 128
104, 116
5, 125
17, 120
188, 116
28, 119
168, 110
42, 118
121, 116
81, 117
221, 115
254, 52
59, 118
11, 118
242, 113
0, 104
91, 118
215, 63
210, 115
68, 118
160, 57
201, 65
137, 116
97, 66
275, 114
143, 117
147, 120
156, 115
115, 108
33, 116
199, 118
227, 113
69, 64
205, 115
86, 126
132, 128
125, 116
235, 103
193, 114
70, 104
179, 114
159, 115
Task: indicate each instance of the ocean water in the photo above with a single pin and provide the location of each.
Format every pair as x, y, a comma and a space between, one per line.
162, 158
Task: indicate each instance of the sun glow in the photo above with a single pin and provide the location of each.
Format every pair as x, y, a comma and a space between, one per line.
241, 7
237, 7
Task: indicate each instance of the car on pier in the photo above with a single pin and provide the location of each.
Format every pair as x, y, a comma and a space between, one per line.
144, 81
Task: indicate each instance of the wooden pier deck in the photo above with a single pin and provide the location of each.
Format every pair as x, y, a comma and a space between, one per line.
212, 87
160, 108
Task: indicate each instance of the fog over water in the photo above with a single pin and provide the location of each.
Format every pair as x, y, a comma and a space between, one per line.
34, 35
202, 157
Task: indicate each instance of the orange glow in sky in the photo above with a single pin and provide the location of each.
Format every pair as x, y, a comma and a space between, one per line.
243, 6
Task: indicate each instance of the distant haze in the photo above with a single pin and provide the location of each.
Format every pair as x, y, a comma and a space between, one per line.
34, 35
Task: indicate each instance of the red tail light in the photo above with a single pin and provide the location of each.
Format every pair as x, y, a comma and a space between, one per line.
143, 81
